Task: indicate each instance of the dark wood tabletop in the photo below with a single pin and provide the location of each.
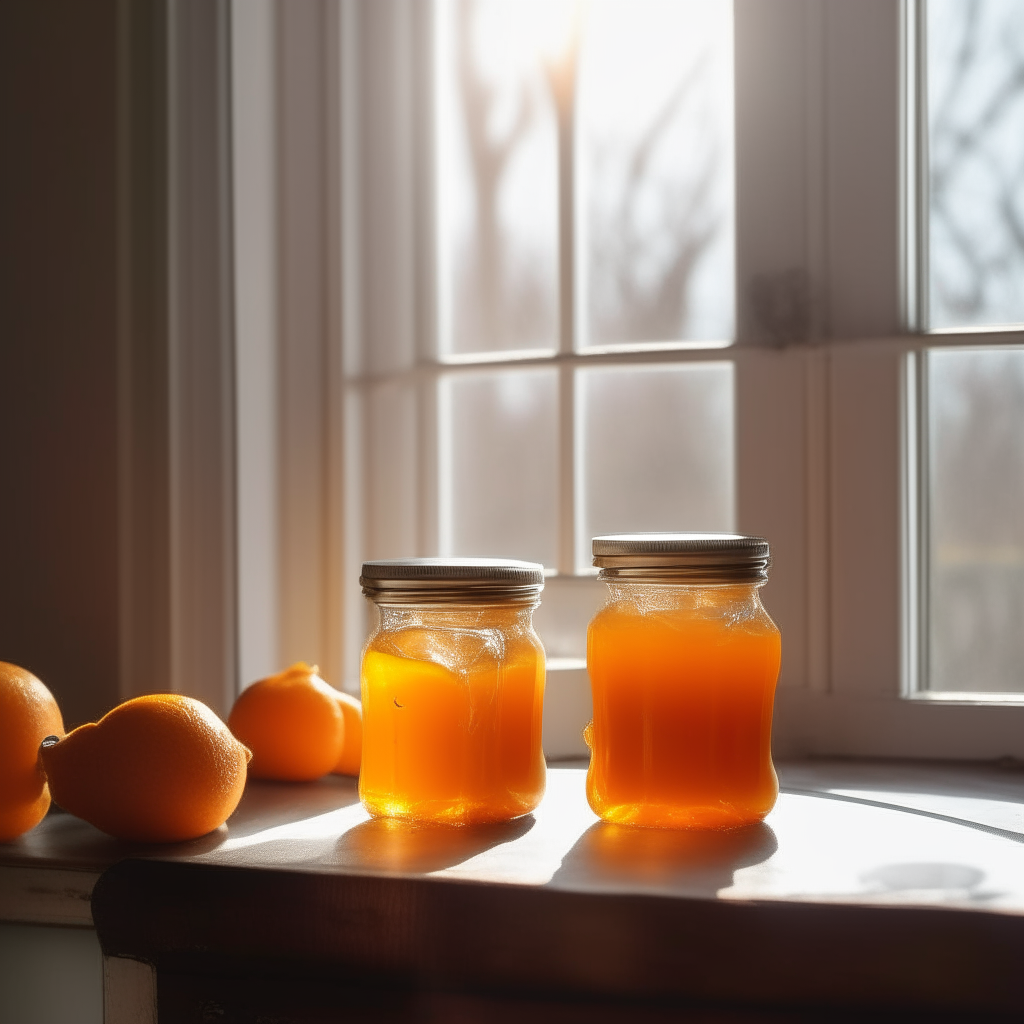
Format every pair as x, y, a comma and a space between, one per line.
871, 888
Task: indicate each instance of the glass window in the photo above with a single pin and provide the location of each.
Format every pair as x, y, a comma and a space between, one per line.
657, 450
497, 178
975, 527
973, 408
650, 126
499, 464
657, 170
975, 64
606, 127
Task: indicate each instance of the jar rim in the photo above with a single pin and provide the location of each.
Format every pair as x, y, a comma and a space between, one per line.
451, 581
683, 557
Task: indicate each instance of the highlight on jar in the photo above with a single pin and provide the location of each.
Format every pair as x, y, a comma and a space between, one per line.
683, 661
453, 690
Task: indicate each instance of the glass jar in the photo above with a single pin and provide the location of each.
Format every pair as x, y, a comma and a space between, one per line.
453, 690
683, 661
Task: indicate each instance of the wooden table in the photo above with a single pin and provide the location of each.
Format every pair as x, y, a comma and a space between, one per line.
872, 890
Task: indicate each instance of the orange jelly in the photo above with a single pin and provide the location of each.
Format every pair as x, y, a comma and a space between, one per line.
453, 689
683, 662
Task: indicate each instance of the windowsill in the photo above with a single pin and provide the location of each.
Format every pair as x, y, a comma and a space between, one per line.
930, 852
566, 664
968, 697
583, 352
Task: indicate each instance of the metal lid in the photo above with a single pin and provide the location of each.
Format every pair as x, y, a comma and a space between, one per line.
451, 580
683, 557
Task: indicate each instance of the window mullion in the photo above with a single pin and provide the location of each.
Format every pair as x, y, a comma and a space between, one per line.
564, 78
914, 163
568, 494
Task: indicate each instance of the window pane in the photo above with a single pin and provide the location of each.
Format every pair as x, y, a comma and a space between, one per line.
976, 527
976, 152
498, 178
658, 450
656, 151
500, 486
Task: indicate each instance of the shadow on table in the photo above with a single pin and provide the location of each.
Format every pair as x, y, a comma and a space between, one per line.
67, 841
264, 805
270, 804
686, 862
407, 847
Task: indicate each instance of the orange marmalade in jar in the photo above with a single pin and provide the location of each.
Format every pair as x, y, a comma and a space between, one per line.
683, 661
453, 690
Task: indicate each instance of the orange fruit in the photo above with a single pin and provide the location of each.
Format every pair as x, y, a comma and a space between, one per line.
158, 769
292, 723
352, 747
28, 714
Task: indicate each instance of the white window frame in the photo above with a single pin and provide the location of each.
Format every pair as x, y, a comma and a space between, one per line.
177, 570
828, 334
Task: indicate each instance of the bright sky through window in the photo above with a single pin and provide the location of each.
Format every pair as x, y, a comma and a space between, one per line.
976, 161
656, 169
654, 176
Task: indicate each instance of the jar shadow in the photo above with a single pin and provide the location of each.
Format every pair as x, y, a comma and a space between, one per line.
686, 862
410, 847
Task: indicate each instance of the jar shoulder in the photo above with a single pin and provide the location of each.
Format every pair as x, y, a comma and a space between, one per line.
653, 610
457, 647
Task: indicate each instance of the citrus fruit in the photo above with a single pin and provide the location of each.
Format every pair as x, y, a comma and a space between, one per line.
352, 747
159, 769
292, 723
28, 713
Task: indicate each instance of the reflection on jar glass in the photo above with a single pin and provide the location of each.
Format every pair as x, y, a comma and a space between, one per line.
453, 690
683, 661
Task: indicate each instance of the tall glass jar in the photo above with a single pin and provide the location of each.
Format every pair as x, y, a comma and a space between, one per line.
683, 661
453, 690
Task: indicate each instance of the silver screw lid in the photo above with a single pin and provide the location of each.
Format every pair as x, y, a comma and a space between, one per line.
451, 580
683, 557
